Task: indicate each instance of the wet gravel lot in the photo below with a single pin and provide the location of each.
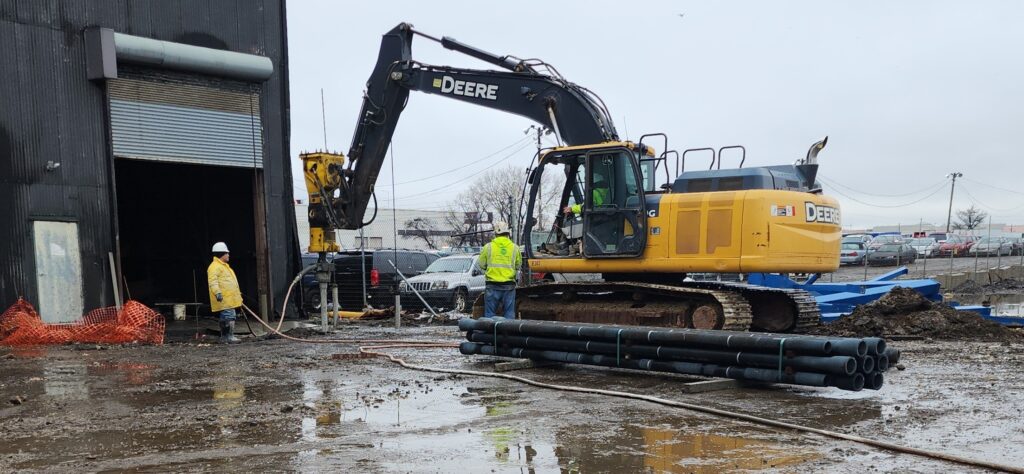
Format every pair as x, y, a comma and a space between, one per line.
285, 406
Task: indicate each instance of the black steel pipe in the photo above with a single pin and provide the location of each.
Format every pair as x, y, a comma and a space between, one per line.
893, 355
839, 365
849, 347
854, 382
874, 381
881, 363
876, 345
807, 345
866, 364
689, 368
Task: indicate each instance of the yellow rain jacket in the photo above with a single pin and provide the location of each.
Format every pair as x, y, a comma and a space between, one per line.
221, 279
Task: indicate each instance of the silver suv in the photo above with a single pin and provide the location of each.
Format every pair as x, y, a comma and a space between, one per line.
448, 284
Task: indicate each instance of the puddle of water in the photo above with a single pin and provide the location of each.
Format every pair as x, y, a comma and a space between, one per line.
66, 380
412, 424
508, 435
672, 451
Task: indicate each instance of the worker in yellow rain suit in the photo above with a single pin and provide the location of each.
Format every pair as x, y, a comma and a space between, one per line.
500, 259
225, 297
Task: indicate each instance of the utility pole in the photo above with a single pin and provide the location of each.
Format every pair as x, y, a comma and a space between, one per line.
513, 217
540, 131
949, 215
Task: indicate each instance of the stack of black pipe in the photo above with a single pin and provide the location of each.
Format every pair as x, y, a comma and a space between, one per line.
845, 363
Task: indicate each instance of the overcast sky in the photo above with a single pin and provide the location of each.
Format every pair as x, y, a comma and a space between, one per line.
906, 91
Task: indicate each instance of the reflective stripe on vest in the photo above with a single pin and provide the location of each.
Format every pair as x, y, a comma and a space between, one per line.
501, 257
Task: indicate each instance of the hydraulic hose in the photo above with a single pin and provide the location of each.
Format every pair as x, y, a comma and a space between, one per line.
374, 350
284, 306
408, 342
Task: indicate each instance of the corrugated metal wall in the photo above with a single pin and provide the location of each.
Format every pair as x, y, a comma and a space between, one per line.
50, 112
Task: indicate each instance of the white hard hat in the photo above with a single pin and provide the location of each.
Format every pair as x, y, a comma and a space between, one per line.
501, 228
220, 247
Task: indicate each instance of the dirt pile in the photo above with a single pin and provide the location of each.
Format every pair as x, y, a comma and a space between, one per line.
1007, 286
969, 287
904, 312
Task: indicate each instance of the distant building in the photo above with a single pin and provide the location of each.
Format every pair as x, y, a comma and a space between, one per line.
413, 227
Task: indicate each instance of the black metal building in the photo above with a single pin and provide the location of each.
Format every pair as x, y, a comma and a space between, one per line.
133, 135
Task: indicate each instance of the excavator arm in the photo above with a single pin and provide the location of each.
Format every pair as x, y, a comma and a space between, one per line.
528, 88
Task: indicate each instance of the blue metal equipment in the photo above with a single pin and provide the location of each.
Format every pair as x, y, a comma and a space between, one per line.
839, 299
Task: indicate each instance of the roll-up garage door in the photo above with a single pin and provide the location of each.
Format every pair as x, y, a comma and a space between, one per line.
185, 122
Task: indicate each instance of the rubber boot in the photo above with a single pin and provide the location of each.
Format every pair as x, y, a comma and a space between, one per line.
223, 332
231, 333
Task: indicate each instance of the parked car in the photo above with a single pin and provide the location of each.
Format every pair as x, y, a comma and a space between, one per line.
893, 254
449, 284
991, 246
881, 240
852, 253
857, 239
1017, 244
955, 245
926, 247
939, 237
379, 278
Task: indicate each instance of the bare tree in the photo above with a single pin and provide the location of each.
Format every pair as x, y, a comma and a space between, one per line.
498, 192
970, 218
548, 197
464, 232
420, 228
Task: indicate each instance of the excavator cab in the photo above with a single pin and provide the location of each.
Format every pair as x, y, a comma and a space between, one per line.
600, 211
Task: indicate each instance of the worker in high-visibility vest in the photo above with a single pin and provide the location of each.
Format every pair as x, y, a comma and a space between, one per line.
225, 297
599, 196
500, 259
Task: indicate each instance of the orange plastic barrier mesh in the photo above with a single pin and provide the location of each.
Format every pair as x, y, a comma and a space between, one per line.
21, 325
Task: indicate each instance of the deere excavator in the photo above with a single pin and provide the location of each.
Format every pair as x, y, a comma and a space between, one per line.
616, 216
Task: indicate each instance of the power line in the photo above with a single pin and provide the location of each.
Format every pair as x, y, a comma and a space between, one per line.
460, 167
993, 187
448, 185
301, 187
982, 204
885, 206
926, 189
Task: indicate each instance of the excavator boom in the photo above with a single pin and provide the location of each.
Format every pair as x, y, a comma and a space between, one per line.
521, 89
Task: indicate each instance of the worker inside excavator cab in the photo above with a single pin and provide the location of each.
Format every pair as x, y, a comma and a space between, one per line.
613, 190
601, 190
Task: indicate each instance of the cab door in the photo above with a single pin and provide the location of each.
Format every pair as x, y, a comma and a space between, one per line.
615, 215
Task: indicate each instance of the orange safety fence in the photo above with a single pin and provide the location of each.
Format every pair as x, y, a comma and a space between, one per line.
21, 325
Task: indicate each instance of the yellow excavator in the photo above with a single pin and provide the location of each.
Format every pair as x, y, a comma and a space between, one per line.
626, 212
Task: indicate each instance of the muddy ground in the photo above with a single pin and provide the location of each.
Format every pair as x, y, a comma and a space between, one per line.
286, 406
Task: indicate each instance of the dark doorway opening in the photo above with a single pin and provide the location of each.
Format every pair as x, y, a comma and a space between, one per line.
170, 215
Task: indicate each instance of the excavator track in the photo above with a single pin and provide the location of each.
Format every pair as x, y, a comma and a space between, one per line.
706, 305
774, 309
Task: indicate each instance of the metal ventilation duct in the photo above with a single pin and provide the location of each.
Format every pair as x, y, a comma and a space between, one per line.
107, 48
